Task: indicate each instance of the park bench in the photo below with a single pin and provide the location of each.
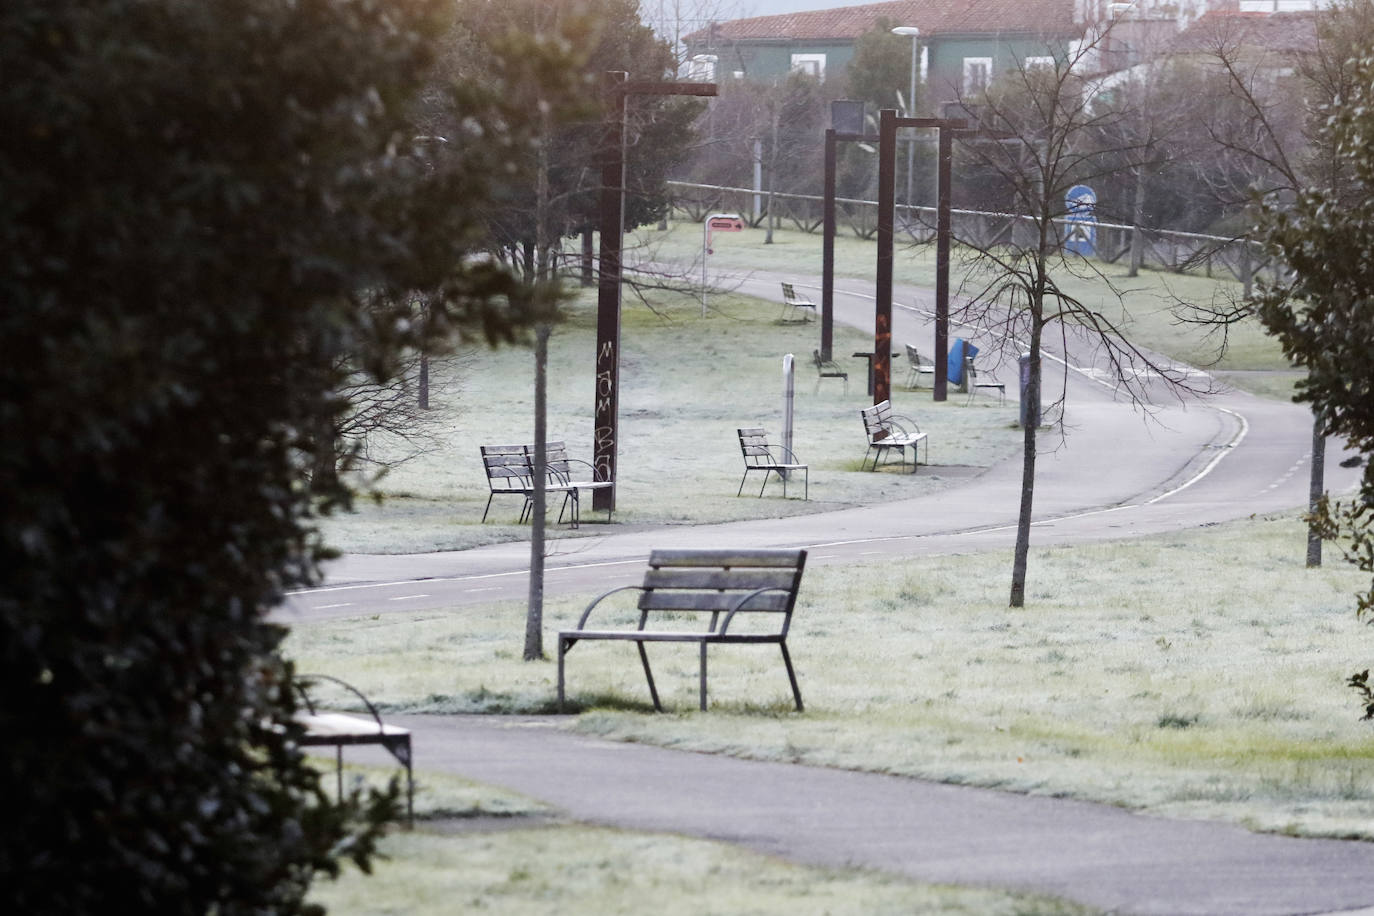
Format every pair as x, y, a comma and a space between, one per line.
918, 367
681, 585
972, 381
887, 431
828, 368
560, 478
333, 729
508, 474
793, 304
770, 459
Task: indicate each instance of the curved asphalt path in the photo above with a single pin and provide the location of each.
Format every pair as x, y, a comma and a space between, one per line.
1115, 475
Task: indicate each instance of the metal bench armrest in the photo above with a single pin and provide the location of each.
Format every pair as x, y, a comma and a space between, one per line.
787, 453
596, 478
582, 621
301, 680
739, 605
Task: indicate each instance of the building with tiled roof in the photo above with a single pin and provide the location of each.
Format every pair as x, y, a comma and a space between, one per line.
963, 44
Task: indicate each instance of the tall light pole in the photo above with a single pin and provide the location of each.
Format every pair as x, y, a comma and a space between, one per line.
915, 33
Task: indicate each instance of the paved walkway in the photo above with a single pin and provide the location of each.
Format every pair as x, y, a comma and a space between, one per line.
1095, 854
1114, 476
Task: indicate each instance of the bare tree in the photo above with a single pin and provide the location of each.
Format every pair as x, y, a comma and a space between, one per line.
1040, 125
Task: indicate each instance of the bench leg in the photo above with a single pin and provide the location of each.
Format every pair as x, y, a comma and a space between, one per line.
649, 675
488, 508
740, 491
562, 647
703, 677
791, 675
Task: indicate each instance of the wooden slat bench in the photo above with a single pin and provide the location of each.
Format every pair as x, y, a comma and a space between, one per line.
919, 367
562, 478
887, 431
333, 729
687, 583
828, 368
508, 474
770, 459
792, 305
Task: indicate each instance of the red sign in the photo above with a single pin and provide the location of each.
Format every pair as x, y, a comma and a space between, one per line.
726, 224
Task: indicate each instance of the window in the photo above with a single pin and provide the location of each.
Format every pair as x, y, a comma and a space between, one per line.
702, 68
810, 64
977, 74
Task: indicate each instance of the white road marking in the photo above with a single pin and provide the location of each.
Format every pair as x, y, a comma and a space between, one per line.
325, 607
406, 597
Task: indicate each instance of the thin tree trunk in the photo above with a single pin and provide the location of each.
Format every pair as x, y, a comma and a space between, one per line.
588, 258
772, 177
534, 617
1137, 217
1023, 520
541, 277
1315, 489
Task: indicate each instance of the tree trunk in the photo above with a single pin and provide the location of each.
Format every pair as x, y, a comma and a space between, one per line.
1315, 488
588, 258
1023, 520
534, 617
1137, 217
772, 177
324, 475
540, 275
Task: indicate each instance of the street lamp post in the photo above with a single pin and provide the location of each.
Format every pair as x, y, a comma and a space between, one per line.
915, 34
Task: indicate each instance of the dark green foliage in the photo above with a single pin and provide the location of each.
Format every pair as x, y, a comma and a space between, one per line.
195, 195
881, 69
601, 36
1360, 683
1323, 315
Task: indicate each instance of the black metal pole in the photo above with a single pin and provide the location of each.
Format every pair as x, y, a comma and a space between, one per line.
882, 317
828, 251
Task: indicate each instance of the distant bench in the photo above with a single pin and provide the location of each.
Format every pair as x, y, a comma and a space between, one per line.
333, 729
688, 583
887, 431
794, 305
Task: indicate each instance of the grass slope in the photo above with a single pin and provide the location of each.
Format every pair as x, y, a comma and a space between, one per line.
1197, 674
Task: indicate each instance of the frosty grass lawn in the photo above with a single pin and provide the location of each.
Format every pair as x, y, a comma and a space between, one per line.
1198, 674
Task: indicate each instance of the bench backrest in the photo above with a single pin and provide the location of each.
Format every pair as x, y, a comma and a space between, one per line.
753, 444
914, 357
555, 460
507, 466
878, 421
715, 580
787, 292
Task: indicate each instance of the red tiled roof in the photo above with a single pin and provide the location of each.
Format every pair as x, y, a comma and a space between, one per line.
1286, 32
932, 17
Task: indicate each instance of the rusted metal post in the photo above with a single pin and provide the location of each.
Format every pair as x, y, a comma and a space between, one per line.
942, 233
828, 250
616, 88
887, 200
606, 409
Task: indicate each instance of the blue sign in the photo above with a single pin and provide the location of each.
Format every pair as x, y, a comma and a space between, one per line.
1080, 235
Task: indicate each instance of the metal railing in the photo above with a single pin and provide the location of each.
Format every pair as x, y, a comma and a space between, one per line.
1161, 249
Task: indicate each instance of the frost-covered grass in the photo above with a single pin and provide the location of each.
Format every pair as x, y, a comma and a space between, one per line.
573, 870
1144, 305
687, 384
1198, 674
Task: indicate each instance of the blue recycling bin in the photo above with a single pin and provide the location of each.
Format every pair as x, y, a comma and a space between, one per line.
961, 350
